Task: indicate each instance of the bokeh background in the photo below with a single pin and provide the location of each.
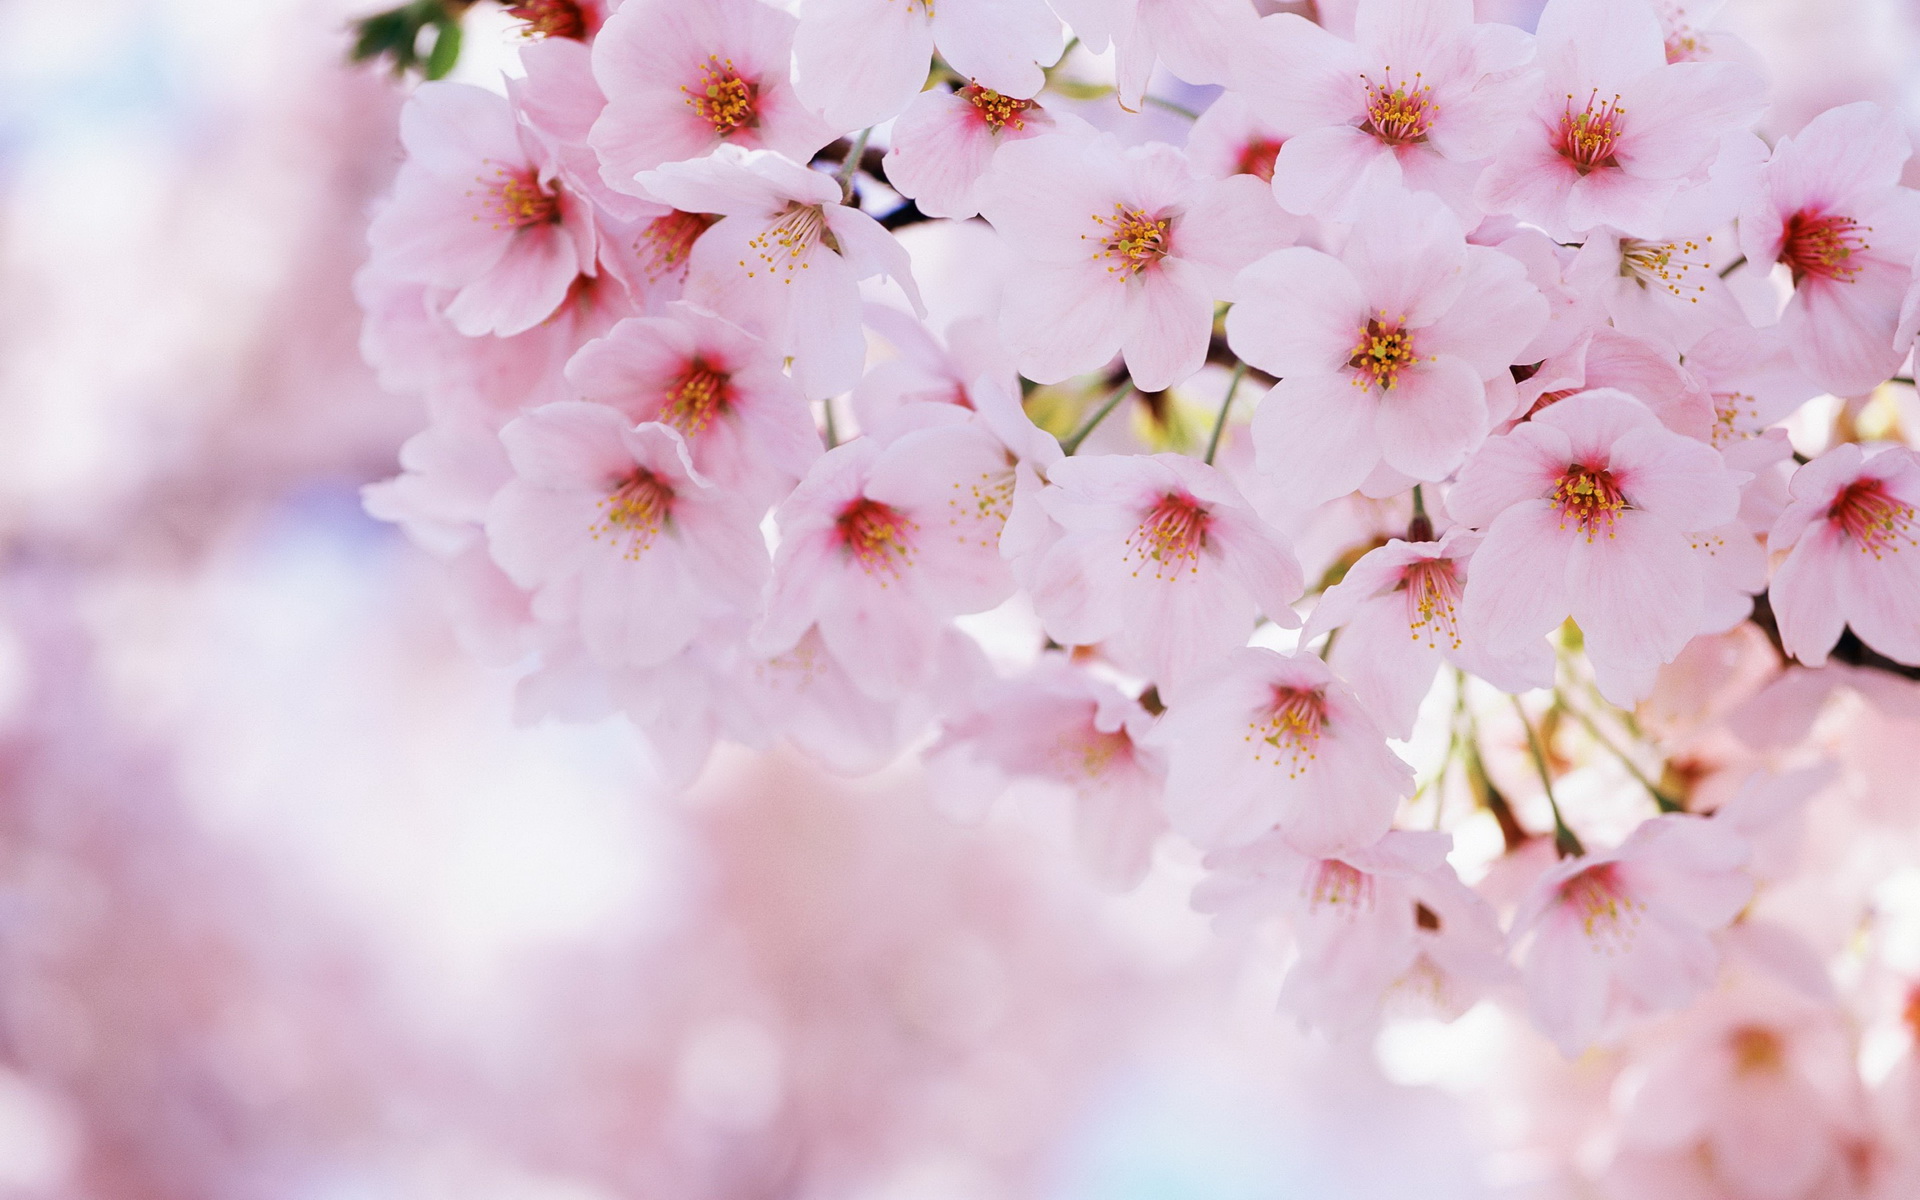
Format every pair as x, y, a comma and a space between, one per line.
290, 908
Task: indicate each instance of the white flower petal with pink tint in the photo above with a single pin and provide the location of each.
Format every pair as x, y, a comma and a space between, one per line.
1161, 561
1851, 538
1273, 741
944, 142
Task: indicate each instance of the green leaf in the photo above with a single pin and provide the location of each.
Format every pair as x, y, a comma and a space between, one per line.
446, 48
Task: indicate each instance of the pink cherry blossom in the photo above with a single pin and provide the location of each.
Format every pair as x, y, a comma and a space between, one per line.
1160, 561
683, 79
1398, 612
746, 425
1058, 723
1231, 139
1273, 741
1194, 39
1421, 98
477, 210
944, 142
1616, 129
570, 20
929, 369
1613, 935
881, 545
1587, 508
1608, 358
1381, 352
1831, 209
861, 61
1663, 290
786, 258
1126, 252
1852, 545
608, 522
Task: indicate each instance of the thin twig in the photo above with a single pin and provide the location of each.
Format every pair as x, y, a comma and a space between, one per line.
1666, 802
1564, 839
852, 164
1072, 441
1220, 422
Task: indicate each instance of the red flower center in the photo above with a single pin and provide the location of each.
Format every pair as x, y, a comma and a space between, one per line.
1878, 522
696, 398
1382, 352
519, 200
1432, 587
1607, 913
876, 535
1400, 114
1170, 537
1822, 246
551, 18
667, 241
1133, 240
1290, 727
634, 511
723, 98
1589, 498
1256, 159
1587, 138
996, 110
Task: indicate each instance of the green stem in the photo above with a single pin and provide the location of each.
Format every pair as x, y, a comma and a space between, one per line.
1733, 266
1220, 422
1667, 803
852, 164
1170, 106
1564, 839
1072, 441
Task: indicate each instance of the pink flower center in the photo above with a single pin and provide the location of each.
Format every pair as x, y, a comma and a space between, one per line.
667, 241
518, 200
1091, 754
1170, 538
788, 243
723, 98
1588, 497
1878, 522
1400, 114
1339, 885
696, 398
1381, 353
1587, 138
1668, 265
1822, 246
1256, 159
1130, 238
996, 110
1432, 587
1290, 727
876, 535
551, 18
1608, 916
634, 512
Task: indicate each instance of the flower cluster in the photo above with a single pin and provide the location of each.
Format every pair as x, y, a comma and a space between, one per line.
876, 379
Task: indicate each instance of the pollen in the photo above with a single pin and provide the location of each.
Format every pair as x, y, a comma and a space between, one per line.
1588, 497
1432, 590
787, 244
1400, 114
1672, 266
1169, 539
1335, 884
998, 111
1287, 733
634, 511
1823, 246
1734, 414
1608, 916
666, 243
516, 199
877, 536
1588, 138
1383, 350
551, 18
1879, 523
696, 398
983, 504
725, 100
1130, 239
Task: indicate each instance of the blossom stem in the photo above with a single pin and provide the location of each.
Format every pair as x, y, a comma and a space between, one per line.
1906, 379
1564, 839
1420, 528
1072, 441
852, 164
1220, 422
1733, 266
1666, 802
833, 432
1172, 107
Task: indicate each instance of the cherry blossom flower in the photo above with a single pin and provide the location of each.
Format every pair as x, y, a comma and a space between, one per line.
1273, 741
1231, 139
786, 258
1587, 508
746, 425
477, 211
861, 61
1608, 358
944, 142
1662, 290
573, 20
1613, 935
1127, 252
609, 522
1423, 99
1160, 562
1381, 352
930, 370
684, 79
1398, 610
881, 546
1831, 210
1617, 130
1194, 39
1058, 723
1852, 545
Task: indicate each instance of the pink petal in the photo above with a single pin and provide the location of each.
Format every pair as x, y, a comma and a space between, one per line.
1300, 312
1169, 320
1431, 417
1314, 437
